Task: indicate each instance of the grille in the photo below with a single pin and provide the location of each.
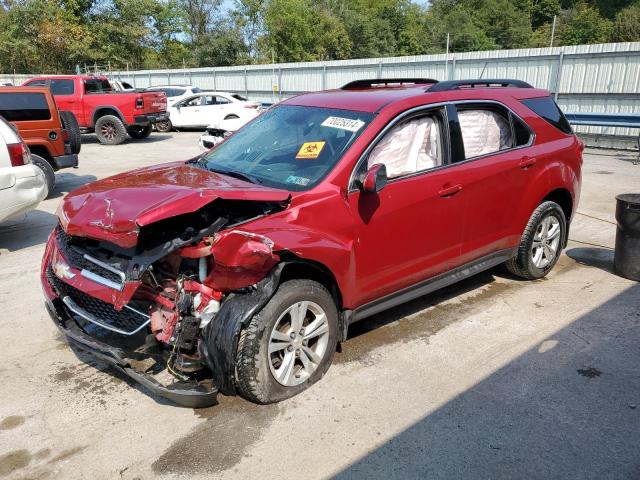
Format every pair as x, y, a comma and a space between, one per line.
75, 256
125, 321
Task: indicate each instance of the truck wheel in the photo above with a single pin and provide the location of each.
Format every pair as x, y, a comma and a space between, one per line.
140, 132
164, 126
49, 174
289, 344
541, 243
110, 130
70, 124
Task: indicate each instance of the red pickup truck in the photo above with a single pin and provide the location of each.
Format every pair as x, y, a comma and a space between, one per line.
100, 109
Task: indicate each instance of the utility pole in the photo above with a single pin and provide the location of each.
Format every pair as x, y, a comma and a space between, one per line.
553, 31
446, 60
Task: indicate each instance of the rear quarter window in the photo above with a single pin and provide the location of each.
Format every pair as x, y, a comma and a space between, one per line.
20, 107
62, 87
547, 109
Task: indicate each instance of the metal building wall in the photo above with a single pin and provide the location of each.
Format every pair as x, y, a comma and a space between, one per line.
584, 78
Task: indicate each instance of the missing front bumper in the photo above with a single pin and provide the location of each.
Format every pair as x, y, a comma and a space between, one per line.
186, 394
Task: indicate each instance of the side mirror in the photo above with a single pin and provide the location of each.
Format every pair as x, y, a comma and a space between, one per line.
375, 179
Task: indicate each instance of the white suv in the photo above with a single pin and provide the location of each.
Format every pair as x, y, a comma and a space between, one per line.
22, 184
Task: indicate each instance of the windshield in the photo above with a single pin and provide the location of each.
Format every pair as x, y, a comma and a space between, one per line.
289, 147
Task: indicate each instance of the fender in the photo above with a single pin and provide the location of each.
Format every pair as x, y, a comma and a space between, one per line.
94, 114
554, 174
219, 342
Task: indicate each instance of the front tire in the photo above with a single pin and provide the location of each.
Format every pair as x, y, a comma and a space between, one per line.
140, 133
47, 169
289, 344
541, 244
110, 130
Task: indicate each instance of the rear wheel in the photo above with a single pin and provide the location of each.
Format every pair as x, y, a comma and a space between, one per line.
47, 169
139, 133
110, 130
164, 126
289, 345
541, 244
70, 124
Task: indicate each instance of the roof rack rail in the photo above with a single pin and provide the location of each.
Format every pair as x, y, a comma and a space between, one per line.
457, 84
358, 84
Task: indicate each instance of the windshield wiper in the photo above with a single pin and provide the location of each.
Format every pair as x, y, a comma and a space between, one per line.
235, 174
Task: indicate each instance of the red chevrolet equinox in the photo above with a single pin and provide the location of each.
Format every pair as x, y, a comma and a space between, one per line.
239, 271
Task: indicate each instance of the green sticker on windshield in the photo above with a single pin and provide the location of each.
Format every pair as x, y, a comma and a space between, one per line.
302, 181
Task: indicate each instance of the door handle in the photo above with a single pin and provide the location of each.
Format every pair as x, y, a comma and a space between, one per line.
450, 190
527, 162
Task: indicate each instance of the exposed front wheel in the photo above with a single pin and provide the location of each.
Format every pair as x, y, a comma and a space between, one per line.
288, 345
140, 132
541, 243
110, 130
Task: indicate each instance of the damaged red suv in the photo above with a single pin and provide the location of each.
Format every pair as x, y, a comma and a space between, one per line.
239, 271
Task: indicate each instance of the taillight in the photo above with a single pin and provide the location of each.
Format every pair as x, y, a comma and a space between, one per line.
251, 105
139, 103
19, 154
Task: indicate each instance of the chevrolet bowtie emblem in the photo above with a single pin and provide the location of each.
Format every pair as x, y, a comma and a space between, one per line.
62, 270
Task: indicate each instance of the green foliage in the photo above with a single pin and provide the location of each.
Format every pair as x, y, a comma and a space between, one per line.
56, 35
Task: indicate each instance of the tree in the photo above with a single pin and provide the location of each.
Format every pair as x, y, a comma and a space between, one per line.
583, 24
626, 26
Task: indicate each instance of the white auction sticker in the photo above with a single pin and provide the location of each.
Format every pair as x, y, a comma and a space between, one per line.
343, 123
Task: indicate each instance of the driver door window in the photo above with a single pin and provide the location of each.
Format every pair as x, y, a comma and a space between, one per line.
411, 146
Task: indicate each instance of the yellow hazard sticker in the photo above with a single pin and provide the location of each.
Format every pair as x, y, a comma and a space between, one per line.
310, 150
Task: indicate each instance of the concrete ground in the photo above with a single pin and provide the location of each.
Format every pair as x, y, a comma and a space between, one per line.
491, 378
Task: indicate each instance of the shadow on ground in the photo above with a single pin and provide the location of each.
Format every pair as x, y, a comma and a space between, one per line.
153, 138
67, 181
601, 258
26, 231
569, 408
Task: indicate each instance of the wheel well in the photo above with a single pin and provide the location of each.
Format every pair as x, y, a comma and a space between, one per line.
313, 271
41, 151
101, 112
563, 198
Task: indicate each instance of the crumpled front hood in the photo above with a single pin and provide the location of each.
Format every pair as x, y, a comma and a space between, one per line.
115, 208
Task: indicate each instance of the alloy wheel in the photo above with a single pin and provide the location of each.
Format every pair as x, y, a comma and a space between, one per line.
546, 242
298, 343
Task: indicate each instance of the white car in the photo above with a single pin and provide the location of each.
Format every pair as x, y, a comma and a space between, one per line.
175, 93
119, 86
22, 184
205, 108
217, 132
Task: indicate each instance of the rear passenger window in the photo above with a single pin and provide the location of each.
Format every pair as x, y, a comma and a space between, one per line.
36, 83
546, 108
411, 146
62, 87
484, 132
18, 107
521, 131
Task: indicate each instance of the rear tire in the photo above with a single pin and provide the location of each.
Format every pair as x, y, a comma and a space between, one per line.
541, 244
140, 132
110, 130
164, 126
274, 339
70, 124
47, 169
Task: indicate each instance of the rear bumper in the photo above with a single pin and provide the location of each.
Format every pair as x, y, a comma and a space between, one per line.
150, 118
65, 161
29, 188
180, 395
